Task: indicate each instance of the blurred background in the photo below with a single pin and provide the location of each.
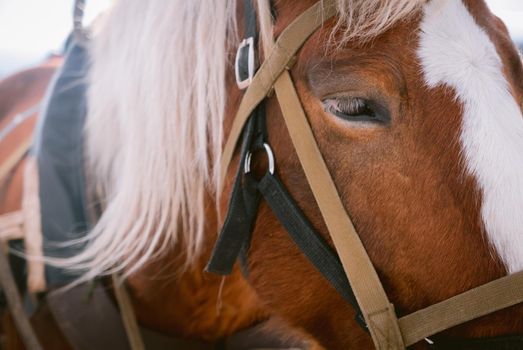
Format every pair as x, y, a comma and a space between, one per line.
31, 29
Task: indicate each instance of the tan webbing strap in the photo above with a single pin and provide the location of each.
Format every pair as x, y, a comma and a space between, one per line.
33, 238
128, 317
14, 158
288, 43
480, 301
11, 226
375, 306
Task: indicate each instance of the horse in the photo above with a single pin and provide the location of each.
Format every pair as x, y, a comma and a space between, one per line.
416, 109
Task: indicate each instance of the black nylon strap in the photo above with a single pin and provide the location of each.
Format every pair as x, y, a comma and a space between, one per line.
302, 233
311, 244
250, 20
250, 32
241, 213
237, 228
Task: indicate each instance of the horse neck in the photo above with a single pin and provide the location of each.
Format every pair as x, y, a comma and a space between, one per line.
165, 292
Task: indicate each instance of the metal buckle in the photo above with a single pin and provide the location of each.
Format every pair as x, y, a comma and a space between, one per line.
270, 157
244, 83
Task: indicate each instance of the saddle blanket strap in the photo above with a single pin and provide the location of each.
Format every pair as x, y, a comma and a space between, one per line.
14, 158
25, 224
11, 226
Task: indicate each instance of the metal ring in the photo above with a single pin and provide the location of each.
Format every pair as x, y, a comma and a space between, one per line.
270, 157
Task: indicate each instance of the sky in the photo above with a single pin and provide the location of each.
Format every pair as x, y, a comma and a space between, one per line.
511, 12
31, 29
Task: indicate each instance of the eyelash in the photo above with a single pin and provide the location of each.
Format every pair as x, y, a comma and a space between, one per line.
348, 108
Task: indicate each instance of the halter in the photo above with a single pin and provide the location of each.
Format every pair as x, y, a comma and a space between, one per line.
350, 271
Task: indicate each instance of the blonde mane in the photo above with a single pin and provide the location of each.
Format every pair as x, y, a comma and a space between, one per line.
156, 108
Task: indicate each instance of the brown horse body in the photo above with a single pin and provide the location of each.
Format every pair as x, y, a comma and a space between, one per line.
405, 186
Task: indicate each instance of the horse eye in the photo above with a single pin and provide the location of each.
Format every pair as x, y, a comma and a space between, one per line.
352, 109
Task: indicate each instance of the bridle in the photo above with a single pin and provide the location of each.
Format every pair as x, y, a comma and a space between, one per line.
349, 269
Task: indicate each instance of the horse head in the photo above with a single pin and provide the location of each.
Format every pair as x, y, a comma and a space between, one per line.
420, 125
415, 108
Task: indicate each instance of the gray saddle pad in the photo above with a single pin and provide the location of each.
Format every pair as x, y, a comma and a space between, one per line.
59, 150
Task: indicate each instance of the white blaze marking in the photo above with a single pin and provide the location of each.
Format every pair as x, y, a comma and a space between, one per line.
454, 51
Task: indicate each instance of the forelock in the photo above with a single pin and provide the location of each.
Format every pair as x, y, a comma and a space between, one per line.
364, 20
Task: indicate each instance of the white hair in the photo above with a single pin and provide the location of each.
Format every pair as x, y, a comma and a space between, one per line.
364, 20
156, 109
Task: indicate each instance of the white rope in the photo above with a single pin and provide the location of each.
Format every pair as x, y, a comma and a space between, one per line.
17, 120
